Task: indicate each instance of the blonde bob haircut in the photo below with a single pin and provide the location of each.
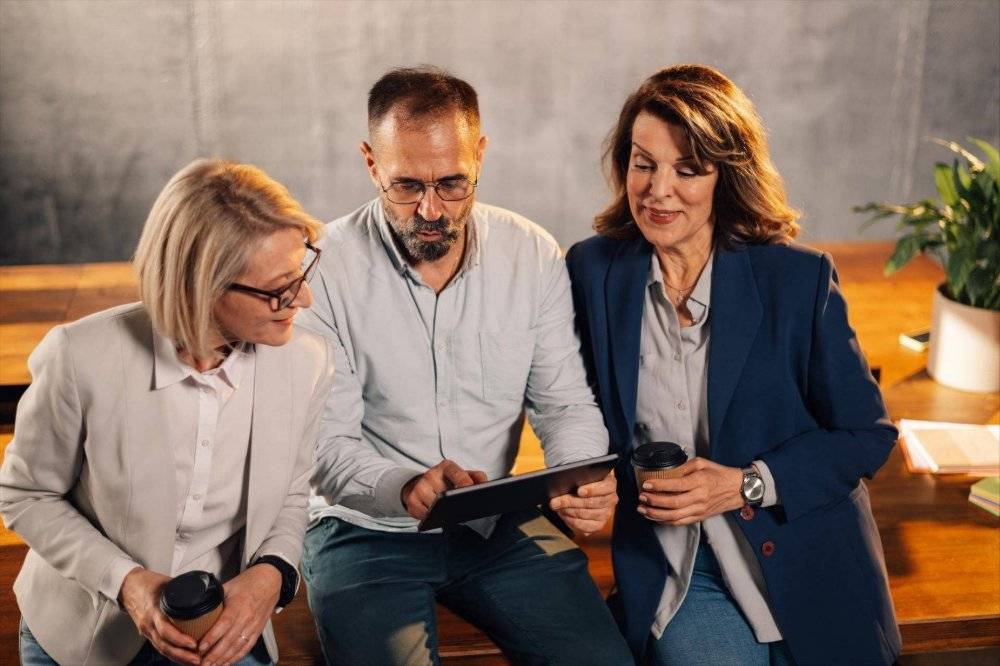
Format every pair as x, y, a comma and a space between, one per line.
724, 131
198, 238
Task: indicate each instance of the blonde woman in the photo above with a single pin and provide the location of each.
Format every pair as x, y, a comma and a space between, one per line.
174, 434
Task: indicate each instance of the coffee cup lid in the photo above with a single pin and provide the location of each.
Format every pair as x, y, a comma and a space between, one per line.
191, 595
658, 454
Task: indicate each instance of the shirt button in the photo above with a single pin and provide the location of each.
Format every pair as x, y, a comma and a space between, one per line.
746, 513
204, 442
677, 357
681, 406
767, 548
196, 496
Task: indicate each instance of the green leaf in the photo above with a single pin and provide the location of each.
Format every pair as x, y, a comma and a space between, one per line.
992, 157
944, 178
961, 261
963, 181
907, 247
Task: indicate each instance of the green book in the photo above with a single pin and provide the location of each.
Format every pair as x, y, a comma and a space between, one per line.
987, 488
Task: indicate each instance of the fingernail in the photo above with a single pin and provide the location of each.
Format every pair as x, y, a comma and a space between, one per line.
583, 492
643, 499
647, 486
641, 509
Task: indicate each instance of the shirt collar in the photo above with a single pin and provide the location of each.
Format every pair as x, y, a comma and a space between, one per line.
472, 245
168, 369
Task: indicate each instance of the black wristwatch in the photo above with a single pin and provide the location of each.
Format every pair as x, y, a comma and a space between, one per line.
752, 488
289, 578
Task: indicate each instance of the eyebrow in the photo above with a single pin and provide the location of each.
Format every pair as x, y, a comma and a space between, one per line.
454, 176
284, 277
682, 158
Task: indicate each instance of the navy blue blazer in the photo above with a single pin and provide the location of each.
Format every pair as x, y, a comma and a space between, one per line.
787, 384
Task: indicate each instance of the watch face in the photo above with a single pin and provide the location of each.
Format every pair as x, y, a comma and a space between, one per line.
753, 488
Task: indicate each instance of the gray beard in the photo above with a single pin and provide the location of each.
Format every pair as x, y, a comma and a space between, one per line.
419, 250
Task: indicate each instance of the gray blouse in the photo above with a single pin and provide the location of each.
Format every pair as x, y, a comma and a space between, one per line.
672, 406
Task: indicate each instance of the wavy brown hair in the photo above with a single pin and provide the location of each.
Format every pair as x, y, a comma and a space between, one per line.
724, 130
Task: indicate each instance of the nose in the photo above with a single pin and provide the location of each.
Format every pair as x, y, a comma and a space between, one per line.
430, 207
304, 298
661, 183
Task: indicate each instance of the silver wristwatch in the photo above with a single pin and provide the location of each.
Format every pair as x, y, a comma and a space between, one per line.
752, 488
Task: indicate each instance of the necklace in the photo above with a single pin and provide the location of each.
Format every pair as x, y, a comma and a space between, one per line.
680, 290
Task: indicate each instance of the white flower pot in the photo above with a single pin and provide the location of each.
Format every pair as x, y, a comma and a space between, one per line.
964, 346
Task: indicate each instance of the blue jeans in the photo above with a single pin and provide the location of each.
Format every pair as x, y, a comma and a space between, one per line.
709, 627
373, 593
32, 653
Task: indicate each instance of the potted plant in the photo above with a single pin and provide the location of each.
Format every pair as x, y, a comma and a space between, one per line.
961, 229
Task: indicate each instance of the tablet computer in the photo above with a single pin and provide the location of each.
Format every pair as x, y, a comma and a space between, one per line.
514, 493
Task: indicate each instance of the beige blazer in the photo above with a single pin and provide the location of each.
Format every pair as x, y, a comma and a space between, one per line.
88, 475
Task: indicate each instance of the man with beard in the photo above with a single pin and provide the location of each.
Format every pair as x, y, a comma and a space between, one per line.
448, 320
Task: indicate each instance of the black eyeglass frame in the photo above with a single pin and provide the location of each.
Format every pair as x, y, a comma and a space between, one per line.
423, 192
282, 297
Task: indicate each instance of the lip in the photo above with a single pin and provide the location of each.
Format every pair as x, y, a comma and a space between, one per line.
657, 216
284, 323
429, 235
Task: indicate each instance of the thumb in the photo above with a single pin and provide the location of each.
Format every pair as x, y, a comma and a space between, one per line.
478, 476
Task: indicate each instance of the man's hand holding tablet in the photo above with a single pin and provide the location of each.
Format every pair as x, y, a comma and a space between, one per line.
587, 510
582, 493
419, 493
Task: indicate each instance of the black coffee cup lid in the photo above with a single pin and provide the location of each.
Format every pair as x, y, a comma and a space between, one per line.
191, 595
658, 454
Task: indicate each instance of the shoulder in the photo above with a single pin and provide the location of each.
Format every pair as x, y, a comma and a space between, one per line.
501, 227
790, 276
356, 227
92, 342
596, 250
311, 351
101, 327
790, 260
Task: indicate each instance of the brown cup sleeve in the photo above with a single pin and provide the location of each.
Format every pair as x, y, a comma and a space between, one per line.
197, 627
643, 474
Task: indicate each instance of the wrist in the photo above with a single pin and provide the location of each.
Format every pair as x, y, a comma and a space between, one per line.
287, 579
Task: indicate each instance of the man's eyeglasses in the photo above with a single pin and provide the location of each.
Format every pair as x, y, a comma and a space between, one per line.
413, 191
282, 297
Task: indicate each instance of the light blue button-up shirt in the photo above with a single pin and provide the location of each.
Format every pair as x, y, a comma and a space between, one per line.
422, 376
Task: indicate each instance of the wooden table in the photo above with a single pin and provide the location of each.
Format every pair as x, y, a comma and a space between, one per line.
942, 553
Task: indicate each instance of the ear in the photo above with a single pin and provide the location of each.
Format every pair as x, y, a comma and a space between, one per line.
480, 149
369, 156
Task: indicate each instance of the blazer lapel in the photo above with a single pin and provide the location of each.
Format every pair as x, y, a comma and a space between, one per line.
736, 314
624, 293
153, 509
270, 439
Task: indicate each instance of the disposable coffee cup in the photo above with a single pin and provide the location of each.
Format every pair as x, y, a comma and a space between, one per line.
193, 602
656, 460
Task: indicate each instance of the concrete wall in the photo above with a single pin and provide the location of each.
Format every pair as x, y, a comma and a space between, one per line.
100, 102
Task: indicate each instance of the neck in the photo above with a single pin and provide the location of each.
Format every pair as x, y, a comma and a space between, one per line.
682, 264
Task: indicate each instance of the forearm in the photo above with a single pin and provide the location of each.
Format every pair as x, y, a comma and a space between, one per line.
569, 433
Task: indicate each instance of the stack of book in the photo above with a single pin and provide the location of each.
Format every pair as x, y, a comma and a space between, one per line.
950, 448
986, 494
